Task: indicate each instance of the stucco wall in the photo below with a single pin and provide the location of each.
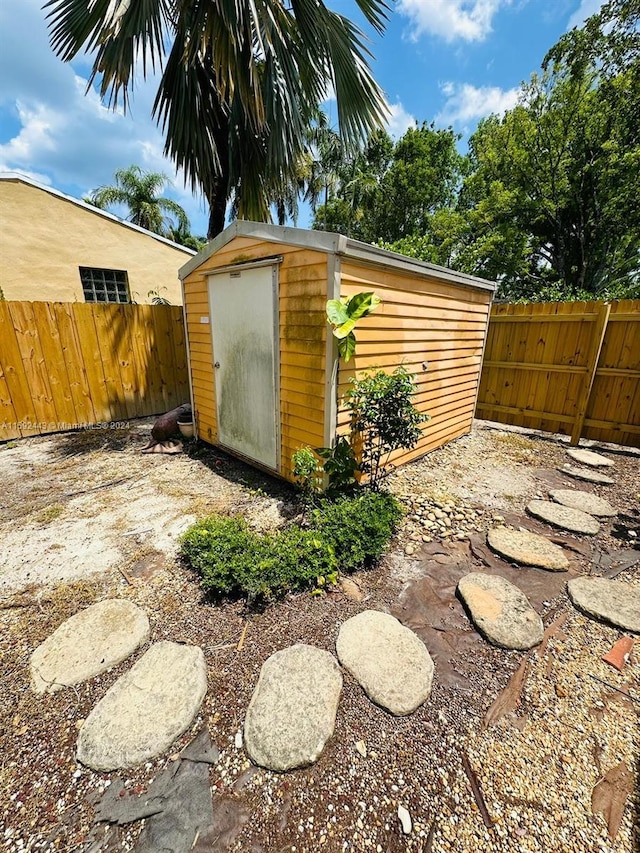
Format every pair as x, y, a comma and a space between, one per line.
44, 239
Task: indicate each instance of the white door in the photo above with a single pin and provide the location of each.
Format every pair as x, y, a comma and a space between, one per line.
243, 328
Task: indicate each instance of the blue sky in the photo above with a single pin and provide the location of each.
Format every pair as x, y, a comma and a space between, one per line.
448, 61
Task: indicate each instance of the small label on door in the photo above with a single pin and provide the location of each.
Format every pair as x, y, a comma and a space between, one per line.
204, 319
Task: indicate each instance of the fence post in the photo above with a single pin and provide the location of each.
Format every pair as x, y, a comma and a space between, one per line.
597, 340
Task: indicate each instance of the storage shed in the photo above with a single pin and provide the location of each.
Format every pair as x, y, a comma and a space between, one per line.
264, 368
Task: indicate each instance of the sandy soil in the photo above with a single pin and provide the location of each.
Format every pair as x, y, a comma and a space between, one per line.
86, 516
84, 503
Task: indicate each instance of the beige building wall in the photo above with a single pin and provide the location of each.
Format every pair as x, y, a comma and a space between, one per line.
45, 237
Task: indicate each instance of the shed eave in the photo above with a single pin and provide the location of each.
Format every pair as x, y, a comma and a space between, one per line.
323, 241
326, 241
367, 253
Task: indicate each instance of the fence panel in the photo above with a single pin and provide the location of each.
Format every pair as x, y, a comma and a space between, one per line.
566, 367
65, 364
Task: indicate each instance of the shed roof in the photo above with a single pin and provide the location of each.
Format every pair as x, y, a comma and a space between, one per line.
18, 178
336, 244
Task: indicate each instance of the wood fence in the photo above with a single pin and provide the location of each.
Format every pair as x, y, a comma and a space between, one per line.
565, 367
67, 365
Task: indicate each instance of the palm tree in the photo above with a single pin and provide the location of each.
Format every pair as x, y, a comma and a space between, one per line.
328, 157
138, 190
240, 82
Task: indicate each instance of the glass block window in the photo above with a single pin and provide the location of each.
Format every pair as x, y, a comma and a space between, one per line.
104, 285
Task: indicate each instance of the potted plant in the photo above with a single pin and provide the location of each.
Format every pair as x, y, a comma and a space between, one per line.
185, 424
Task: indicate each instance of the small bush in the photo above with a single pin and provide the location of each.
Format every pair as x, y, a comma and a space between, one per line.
384, 418
221, 550
358, 529
343, 536
307, 473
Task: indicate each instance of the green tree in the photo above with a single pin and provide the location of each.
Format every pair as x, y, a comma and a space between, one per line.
551, 203
356, 189
608, 40
139, 192
423, 178
389, 192
240, 82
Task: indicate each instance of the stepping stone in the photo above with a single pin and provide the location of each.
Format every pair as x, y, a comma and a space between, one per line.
615, 602
527, 548
90, 642
146, 709
584, 501
587, 475
390, 662
564, 516
500, 611
292, 713
588, 457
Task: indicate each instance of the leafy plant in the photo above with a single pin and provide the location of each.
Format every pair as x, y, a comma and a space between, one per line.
343, 536
156, 298
340, 465
307, 473
343, 314
358, 529
384, 418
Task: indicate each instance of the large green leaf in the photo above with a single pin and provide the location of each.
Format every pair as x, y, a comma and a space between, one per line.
362, 304
345, 329
337, 312
347, 346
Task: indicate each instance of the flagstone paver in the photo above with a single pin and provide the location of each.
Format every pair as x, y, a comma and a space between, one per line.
88, 643
146, 709
612, 601
586, 474
389, 661
588, 457
292, 712
529, 549
564, 516
500, 611
584, 501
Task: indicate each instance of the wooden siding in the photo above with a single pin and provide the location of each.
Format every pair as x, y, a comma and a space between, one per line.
434, 329
302, 340
67, 365
565, 367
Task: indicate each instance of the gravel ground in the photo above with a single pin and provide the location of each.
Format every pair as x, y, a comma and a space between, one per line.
536, 766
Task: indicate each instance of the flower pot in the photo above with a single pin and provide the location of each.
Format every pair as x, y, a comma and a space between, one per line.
186, 429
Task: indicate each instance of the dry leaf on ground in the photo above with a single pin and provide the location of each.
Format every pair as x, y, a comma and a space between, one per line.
610, 796
509, 699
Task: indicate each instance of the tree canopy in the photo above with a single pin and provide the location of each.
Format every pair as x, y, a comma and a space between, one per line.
138, 191
240, 82
545, 200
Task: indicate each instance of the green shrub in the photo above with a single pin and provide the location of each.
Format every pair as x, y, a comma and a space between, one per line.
221, 550
359, 529
340, 465
343, 536
307, 473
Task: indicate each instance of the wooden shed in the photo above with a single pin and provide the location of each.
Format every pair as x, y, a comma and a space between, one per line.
265, 374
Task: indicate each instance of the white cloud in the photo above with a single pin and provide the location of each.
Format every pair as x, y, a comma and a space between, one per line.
468, 20
61, 136
584, 11
399, 121
467, 103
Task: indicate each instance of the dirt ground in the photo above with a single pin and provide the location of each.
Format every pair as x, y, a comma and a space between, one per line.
87, 516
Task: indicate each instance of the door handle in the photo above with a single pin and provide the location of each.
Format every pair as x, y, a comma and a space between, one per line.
217, 364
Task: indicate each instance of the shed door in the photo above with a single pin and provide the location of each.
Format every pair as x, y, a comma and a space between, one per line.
243, 329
